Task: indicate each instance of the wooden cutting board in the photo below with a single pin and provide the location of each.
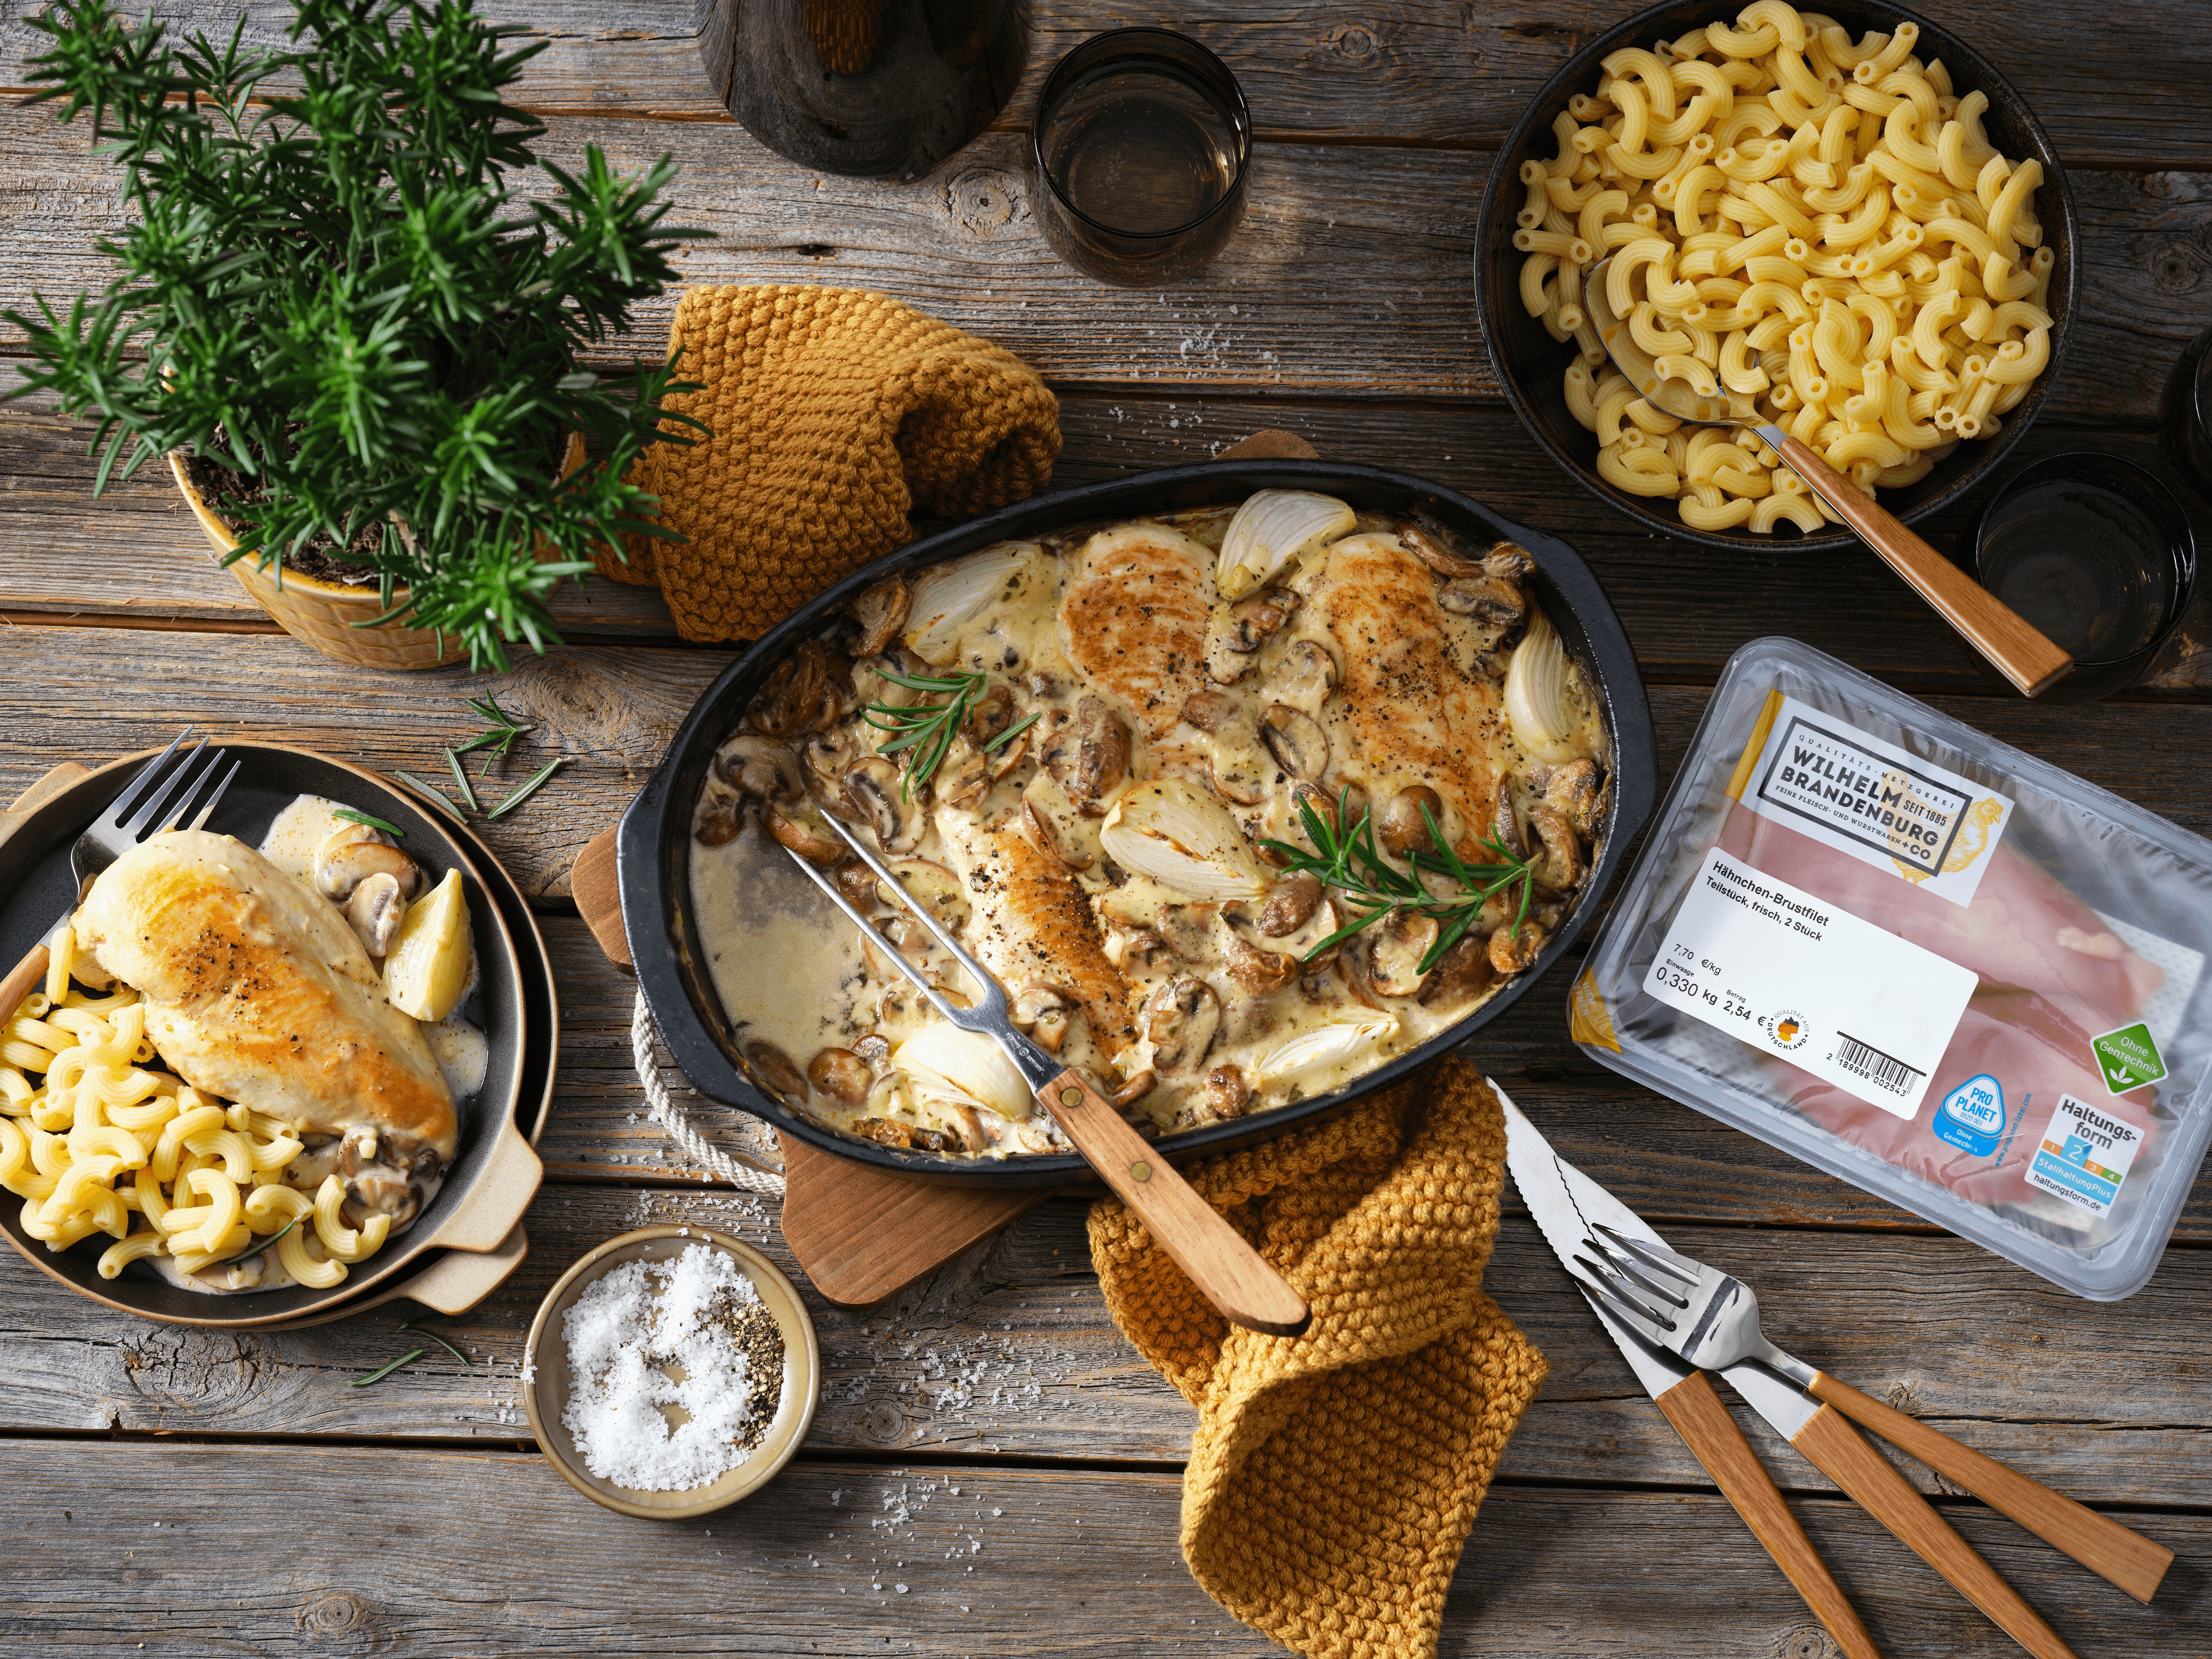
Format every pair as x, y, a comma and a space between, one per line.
861, 1235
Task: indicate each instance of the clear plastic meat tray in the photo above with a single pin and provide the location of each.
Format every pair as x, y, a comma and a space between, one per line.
1924, 962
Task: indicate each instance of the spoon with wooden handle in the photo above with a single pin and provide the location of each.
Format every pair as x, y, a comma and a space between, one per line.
2009, 642
1227, 1271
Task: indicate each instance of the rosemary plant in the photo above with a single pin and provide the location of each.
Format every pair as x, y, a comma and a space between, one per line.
332, 285
1350, 861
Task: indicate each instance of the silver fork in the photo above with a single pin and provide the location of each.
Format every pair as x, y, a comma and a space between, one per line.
1712, 1320
166, 788
1226, 1269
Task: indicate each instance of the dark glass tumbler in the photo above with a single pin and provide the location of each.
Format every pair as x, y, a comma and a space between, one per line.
2185, 416
1140, 153
873, 88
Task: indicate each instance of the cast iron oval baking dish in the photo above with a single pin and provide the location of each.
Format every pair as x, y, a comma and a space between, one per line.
653, 841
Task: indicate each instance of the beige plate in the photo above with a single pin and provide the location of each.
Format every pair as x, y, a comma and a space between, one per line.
548, 1391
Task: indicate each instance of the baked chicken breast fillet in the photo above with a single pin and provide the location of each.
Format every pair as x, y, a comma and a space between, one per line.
256, 990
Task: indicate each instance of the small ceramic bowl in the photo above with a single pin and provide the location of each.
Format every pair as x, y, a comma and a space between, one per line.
547, 1394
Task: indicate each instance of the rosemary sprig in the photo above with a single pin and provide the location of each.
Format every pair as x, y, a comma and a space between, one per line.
437, 796
1352, 862
369, 818
529, 787
416, 1323
383, 1371
505, 729
461, 779
256, 1246
929, 728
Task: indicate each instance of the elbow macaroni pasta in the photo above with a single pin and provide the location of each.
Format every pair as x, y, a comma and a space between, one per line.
1820, 228
91, 1137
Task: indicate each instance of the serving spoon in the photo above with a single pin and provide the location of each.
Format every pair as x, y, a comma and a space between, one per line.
2008, 641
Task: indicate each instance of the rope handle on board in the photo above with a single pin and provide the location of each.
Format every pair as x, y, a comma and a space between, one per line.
671, 1117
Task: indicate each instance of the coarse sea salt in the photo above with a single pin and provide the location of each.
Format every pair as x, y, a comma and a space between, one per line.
625, 1335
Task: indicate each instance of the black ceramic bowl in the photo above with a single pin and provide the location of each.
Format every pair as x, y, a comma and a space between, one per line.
655, 838
1532, 366
477, 1206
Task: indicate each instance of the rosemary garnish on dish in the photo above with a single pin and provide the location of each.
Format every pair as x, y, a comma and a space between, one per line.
1350, 862
929, 728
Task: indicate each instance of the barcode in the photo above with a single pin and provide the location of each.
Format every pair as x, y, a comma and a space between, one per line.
1875, 1066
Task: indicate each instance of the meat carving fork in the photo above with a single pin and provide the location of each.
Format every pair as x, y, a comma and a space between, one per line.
156, 799
1673, 1316
1227, 1271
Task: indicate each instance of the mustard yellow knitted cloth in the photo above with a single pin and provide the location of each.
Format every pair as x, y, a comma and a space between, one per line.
835, 414
1333, 1477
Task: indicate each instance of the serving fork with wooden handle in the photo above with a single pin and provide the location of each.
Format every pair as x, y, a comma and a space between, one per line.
1227, 1271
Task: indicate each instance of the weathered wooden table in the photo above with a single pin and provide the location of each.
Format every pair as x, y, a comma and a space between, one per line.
993, 1470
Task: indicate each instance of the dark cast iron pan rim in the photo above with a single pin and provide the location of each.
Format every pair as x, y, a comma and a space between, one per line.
1497, 263
654, 835
409, 1251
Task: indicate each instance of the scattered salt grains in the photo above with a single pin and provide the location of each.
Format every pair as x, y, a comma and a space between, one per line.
624, 1339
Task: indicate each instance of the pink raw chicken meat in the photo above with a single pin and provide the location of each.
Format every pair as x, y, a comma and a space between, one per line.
2052, 977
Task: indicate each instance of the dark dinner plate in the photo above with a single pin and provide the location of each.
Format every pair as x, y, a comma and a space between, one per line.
654, 842
1532, 365
38, 888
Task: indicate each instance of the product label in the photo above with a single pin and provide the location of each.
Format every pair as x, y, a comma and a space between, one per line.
2128, 1058
1972, 1115
2084, 1155
1863, 795
1792, 975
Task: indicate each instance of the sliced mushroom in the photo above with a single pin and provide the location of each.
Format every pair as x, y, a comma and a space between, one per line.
1505, 823
881, 611
991, 713
1340, 811
1508, 560
1042, 1011
343, 868
1486, 598
1464, 973
1140, 950
1128, 1094
374, 910
1290, 904
1303, 676
1512, 948
1296, 739
1227, 1092
886, 1132
1180, 1019
1561, 868
841, 1072
1572, 793
823, 758
1400, 824
794, 829
1437, 547
1252, 622
1241, 778
931, 887
791, 697
874, 1049
1209, 711
871, 787
718, 824
777, 1071
1054, 823
1394, 950
857, 882
1256, 970
1090, 757
760, 767
963, 784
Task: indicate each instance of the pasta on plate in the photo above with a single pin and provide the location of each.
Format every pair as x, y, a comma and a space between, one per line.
1817, 229
95, 1139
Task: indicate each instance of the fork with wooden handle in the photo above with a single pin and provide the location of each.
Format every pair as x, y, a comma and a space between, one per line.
156, 799
1227, 1271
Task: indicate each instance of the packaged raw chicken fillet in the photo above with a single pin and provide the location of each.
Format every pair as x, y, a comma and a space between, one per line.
1923, 960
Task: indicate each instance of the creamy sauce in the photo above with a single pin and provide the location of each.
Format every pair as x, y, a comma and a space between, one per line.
792, 974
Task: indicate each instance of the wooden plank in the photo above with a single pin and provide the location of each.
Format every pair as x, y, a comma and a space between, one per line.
1425, 69
839, 1559
1349, 274
1008, 1352
155, 564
